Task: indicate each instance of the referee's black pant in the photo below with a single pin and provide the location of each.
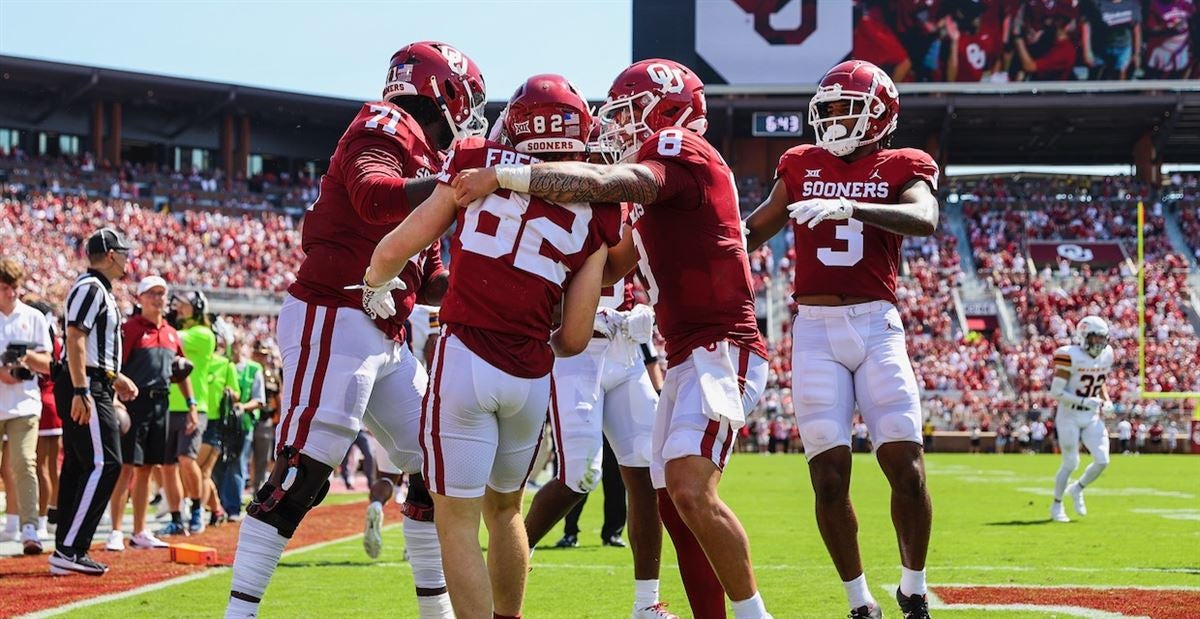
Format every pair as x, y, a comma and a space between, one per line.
91, 464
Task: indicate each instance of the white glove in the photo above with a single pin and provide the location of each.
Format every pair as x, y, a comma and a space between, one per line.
608, 321
377, 301
816, 210
639, 323
1094, 405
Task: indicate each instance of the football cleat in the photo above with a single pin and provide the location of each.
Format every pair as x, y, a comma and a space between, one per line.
658, 611
62, 564
866, 612
1077, 498
1058, 513
915, 606
372, 531
567, 541
614, 540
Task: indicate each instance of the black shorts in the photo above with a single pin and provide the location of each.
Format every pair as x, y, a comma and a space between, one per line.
146, 441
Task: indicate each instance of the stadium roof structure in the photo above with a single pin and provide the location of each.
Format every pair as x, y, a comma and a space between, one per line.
1044, 123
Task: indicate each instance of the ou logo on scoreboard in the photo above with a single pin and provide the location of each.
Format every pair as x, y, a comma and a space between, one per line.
773, 41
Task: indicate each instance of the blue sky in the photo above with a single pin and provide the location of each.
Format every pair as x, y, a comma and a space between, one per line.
340, 49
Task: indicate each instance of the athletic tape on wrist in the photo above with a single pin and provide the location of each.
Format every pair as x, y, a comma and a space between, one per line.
514, 177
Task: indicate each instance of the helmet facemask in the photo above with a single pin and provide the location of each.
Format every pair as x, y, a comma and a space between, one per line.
623, 125
476, 124
1094, 343
830, 131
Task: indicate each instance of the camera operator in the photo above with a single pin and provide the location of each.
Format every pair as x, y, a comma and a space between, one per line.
26, 346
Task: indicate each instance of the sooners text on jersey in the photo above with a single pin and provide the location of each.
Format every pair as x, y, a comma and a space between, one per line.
696, 272
849, 258
513, 256
344, 224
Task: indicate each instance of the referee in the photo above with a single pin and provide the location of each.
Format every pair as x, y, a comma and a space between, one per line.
84, 392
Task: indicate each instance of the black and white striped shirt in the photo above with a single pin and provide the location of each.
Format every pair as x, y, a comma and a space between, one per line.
92, 309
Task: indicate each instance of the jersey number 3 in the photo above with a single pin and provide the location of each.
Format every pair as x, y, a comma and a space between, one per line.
522, 235
852, 233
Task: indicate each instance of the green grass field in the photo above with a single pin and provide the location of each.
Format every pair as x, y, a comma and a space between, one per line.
990, 527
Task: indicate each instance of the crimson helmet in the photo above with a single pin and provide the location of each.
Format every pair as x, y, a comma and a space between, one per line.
547, 115
874, 106
648, 96
445, 75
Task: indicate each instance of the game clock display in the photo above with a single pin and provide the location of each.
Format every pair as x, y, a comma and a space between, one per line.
778, 124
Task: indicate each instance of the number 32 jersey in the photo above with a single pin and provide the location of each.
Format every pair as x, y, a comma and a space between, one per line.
850, 258
513, 256
1088, 373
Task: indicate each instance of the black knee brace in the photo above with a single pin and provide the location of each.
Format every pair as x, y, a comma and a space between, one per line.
418, 505
297, 484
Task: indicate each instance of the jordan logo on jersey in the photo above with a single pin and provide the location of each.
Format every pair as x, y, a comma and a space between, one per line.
875, 175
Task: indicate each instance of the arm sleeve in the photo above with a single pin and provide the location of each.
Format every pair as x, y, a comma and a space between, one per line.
373, 172
41, 326
83, 305
674, 181
130, 342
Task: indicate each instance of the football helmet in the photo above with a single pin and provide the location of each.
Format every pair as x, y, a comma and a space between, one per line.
547, 115
1091, 334
648, 96
445, 75
872, 103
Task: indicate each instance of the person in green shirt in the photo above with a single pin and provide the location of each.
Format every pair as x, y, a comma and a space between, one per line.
230, 473
185, 429
223, 394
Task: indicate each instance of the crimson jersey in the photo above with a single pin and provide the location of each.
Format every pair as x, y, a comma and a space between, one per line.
361, 200
977, 51
850, 258
513, 256
696, 271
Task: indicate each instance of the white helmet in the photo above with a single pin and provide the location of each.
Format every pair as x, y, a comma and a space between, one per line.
1092, 335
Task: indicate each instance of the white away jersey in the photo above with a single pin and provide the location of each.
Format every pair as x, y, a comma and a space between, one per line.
424, 322
1088, 373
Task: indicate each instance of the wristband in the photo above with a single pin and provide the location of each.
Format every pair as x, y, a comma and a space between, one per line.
80, 391
191, 401
514, 177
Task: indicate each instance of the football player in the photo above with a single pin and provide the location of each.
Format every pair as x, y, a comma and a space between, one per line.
341, 366
607, 391
1080, 371
851, 200
515, 258
686, 242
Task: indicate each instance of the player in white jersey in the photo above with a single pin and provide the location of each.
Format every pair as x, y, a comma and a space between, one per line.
1080, 370
606, 391
424, 327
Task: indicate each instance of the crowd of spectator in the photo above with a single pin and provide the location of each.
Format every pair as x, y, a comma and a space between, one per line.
1012, 40
966, 376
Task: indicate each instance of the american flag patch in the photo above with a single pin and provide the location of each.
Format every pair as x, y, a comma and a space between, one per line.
402, 73
571, 124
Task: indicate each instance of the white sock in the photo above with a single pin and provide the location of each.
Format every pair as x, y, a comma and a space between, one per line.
10, 523
912, 582
858, 593
424, 554
42, 523
645, 593
240, 609
435, 607
258, 551
752, 608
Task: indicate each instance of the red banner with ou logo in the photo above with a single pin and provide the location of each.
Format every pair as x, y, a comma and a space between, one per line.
1101, 254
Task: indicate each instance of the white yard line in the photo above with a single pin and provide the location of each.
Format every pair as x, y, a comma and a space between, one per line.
58, 610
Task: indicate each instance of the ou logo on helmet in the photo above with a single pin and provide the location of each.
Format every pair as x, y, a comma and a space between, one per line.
670, 79
773, 41
454, 58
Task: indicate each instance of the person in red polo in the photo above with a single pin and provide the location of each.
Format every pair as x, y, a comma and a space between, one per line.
151, 348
